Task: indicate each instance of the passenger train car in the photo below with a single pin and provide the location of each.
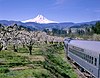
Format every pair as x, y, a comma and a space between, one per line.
85, 53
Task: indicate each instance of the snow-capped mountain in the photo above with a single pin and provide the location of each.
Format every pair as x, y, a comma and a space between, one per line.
40, 19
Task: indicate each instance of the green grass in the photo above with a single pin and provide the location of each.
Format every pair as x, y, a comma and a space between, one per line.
29, 73
55, 62
46, 61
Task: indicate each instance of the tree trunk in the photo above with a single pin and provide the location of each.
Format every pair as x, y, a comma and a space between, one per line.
14, 47
30, 50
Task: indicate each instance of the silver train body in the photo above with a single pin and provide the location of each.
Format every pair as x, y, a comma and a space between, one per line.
85, 53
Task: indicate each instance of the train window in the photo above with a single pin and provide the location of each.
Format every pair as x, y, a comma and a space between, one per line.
88, 58
95, 62
85, 56
99, 60
82, 56
92, 60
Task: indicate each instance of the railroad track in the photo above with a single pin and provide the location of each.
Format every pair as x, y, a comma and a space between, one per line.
79, 73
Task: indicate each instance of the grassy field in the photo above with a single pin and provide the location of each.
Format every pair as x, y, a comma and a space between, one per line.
46, 61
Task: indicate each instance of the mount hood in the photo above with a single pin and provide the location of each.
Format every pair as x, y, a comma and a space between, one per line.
40, 19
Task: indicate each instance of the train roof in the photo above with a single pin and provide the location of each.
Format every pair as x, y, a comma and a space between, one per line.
90, 45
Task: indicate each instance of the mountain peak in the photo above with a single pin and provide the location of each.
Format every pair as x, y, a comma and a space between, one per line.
40, 19
40, 15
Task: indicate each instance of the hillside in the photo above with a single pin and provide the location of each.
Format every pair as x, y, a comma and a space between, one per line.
41, 26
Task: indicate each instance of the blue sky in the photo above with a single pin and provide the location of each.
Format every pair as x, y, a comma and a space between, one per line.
57, 10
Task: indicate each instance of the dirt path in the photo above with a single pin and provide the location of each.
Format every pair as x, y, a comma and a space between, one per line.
19, 68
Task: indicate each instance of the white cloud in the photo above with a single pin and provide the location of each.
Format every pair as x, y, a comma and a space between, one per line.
59, 2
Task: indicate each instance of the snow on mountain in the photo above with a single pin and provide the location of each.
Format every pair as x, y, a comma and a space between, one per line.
40, 19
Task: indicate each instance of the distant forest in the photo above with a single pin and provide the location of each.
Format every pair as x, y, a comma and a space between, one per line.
73, 32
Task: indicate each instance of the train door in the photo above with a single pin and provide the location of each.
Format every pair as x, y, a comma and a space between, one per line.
66, 49
99, 67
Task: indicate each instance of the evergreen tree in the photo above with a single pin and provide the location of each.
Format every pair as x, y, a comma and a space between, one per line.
69, 31
96, 29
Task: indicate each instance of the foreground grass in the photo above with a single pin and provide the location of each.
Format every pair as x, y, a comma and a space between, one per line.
55, 63
46, 61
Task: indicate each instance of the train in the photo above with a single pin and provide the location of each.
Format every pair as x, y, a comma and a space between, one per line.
84, 53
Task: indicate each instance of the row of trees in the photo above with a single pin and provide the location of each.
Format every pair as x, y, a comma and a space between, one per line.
19, 35
69, 31
56, 32
90, 32
96, 28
